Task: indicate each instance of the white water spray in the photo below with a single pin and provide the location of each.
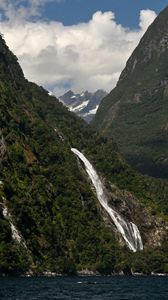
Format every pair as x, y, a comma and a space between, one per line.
15, 233
128, 230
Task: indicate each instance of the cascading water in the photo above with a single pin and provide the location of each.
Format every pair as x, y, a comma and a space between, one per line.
128, 230
15, 233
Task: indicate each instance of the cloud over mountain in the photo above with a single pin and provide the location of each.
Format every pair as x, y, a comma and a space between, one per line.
84, 56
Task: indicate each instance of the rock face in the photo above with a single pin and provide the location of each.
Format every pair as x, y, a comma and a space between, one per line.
85, 104
135, 112
151, 228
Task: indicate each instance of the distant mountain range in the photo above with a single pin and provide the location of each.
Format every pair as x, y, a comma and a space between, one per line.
85, 104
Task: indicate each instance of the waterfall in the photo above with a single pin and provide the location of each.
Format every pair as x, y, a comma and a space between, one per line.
15, 233
128, 230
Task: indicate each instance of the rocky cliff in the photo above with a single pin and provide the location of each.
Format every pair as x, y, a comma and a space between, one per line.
135, 112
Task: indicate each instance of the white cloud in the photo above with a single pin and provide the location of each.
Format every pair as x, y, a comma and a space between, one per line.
83, 56
145, 18
17, 10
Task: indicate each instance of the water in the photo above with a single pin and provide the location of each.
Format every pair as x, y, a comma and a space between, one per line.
85, 288
128, 230
15, 233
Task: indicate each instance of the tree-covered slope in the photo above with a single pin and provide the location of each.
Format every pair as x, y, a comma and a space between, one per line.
135, 112
50, 218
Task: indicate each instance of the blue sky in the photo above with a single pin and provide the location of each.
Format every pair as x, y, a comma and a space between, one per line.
74, 11
75, 44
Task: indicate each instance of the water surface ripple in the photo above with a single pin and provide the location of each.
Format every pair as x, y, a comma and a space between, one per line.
83, 288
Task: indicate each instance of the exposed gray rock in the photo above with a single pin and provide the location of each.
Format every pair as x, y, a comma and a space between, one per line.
85, 104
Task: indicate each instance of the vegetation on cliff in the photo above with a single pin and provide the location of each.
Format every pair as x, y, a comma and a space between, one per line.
135, 112
46, 190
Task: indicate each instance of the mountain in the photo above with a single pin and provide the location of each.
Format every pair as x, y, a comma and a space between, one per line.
85, 104
135, 112
68, 201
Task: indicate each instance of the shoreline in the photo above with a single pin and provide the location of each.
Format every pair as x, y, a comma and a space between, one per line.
80, 274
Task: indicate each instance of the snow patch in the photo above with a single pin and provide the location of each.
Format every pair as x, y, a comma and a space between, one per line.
79, 107
92, 111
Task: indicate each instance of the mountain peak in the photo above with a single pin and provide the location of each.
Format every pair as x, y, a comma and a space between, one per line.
153, 43
135, 112
85, 104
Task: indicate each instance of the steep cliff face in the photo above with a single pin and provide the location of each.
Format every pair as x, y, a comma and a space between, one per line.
135, 112
50, 219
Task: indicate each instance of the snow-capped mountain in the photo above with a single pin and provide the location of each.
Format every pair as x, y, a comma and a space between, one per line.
85, 104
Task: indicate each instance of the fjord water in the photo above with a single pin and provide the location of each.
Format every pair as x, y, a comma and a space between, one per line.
128, 230
85, 288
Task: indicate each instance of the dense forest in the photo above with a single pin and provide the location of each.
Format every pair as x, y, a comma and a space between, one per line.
50, 199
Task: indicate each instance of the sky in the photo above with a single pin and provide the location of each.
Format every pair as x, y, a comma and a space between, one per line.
75, 44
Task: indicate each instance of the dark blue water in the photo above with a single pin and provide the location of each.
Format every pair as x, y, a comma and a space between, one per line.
92, 288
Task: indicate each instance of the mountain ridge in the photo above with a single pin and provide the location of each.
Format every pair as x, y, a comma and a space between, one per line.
46, 199
135, 111
85, 104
